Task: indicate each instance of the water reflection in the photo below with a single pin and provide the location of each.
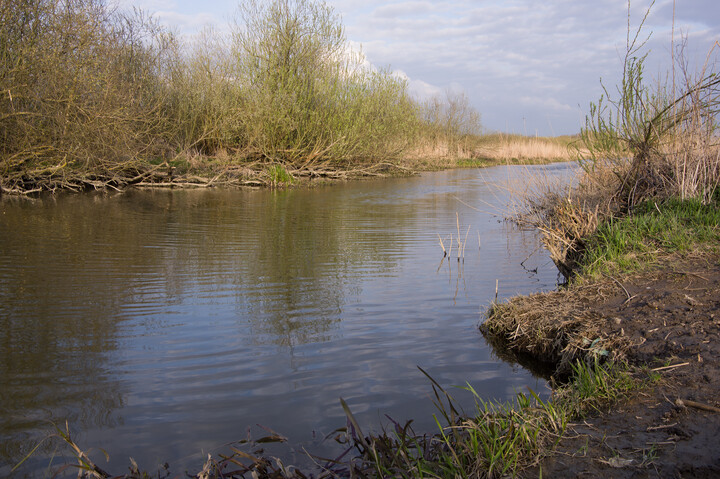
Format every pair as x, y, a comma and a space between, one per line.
162, 323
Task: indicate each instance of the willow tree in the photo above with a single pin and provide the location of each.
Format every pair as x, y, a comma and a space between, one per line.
81, 93
306, 96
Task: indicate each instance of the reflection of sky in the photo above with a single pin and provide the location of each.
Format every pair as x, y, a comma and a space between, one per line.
220, 321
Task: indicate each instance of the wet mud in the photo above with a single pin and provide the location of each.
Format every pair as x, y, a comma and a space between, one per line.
668, 321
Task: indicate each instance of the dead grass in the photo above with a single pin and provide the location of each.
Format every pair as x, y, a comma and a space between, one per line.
559, 326
516, 147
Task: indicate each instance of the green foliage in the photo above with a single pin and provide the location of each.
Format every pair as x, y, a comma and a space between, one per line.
306, 97
279, 175
595, 386
654, 228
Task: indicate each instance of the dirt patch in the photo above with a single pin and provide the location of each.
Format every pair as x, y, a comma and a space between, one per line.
670, 317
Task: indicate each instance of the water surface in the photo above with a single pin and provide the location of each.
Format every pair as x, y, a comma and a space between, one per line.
163, 324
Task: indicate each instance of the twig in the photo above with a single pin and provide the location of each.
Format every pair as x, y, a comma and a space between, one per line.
696, 405
665, 426
629, 298
669, 367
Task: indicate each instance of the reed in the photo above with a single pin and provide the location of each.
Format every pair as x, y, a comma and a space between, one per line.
650, 143
517, 148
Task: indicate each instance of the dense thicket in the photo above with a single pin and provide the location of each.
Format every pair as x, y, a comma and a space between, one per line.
81, 95
90, 96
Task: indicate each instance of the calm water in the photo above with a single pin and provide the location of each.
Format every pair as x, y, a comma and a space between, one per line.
163, 324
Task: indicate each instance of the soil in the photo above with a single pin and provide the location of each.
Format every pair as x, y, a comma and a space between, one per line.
670, 317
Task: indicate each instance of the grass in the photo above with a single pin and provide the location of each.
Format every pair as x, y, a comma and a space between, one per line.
496, 439
654, 229
279, 176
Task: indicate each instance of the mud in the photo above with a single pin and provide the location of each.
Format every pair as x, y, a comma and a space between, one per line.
670, 317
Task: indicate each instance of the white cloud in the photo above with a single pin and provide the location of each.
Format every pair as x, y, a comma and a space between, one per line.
402, 9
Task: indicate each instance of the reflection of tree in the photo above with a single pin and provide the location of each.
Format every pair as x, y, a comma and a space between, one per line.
303, 269
75, 267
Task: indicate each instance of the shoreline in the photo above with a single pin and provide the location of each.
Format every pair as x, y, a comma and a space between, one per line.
202, 171
664, 322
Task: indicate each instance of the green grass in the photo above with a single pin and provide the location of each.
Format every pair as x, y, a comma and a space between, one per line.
595, 387
498, 439
633, 242
279, 176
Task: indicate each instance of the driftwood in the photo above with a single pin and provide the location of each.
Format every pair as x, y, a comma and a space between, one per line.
697, 405
252, 174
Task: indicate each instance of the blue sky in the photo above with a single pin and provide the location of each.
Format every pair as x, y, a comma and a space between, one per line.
527, 66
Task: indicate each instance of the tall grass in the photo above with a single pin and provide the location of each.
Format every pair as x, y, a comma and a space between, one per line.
650, 141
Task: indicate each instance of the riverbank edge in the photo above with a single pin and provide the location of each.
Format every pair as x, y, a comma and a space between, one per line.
201, 171
660, 322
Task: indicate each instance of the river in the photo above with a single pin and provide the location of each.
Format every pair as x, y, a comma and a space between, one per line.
163, 324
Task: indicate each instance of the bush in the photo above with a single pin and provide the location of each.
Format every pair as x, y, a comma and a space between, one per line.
81, 91
306, 98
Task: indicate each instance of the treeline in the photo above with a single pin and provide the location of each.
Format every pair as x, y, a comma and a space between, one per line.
95, 97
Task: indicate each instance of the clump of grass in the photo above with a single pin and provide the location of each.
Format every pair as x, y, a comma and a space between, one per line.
654, 229
279, 176
497, 439
595, 386
555, 326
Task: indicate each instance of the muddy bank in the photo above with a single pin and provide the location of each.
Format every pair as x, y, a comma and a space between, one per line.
667, 320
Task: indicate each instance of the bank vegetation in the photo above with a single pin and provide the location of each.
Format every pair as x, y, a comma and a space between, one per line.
645, 205
95, 97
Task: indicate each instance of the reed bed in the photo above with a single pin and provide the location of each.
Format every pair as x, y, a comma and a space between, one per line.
523, 148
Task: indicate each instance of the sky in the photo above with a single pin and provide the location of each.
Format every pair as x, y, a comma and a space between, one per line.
529, 67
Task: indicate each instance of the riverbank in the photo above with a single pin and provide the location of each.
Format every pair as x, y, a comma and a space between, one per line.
224, 170
664, 321
103, 98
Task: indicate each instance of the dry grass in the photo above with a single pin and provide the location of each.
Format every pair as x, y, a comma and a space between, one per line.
516, 147
556, 326
434, 152
653, 143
